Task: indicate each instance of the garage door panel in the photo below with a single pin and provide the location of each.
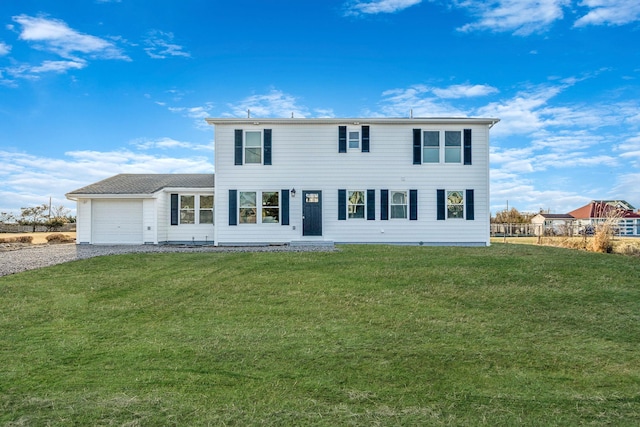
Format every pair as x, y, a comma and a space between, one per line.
117, 221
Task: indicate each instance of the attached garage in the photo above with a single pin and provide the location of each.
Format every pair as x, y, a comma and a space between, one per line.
116, 221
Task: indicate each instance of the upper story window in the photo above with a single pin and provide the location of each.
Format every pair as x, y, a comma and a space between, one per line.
431, 146
452, 147
354, 139
428, 146
253, 147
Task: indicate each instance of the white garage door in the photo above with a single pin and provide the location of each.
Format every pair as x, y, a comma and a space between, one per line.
116, 221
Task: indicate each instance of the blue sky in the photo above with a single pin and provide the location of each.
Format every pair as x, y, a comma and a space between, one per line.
92, 88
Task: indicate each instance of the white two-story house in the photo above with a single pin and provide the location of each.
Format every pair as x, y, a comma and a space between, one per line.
296, 181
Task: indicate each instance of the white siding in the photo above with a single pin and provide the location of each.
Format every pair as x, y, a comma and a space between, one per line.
83, 221
182, 233
305, 157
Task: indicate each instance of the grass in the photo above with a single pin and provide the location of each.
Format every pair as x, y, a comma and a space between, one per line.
367, 335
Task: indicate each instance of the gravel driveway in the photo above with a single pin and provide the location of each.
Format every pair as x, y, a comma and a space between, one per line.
33, 257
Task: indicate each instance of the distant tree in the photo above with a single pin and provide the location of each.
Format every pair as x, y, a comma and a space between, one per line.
512, 216
7, 218
58, 216
34, 216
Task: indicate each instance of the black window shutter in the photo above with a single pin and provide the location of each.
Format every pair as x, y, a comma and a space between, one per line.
365, 139
233, 207
384, 205
413, 205
417, 146
284, 206
238, 146
342, 139
440, 205
467, 146
469, 205
342, 205
371, 205
267, 146
174, 209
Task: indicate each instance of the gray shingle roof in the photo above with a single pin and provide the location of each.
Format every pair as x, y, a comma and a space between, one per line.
146, 183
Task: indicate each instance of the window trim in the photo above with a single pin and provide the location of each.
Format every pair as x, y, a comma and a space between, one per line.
458, 148
406, 204
260, 147
448, 211
363, 204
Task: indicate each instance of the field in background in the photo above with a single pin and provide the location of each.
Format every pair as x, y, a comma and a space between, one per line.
365, 335
38, 238
621, 245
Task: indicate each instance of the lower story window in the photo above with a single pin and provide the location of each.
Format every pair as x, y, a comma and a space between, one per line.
206, 209
455, 204
270, 207
355, 204
398, 204
248, 207
187, 209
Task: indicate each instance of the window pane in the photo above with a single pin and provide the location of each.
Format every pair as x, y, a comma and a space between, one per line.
247, 199
253, 155
399, 197
187, 202
431, 138
206, 202
247, 216
187, 217
355, 206
431, 155
452, 139
253, 139
398, 211
452, 155
206, 217
270, 198
270, 215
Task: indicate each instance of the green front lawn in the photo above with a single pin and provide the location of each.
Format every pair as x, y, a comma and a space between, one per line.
367, 335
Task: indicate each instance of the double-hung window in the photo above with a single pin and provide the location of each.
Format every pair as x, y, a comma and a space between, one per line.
398, 204
431, 146
452, 147
355, 204
270, 207
206, 210
253, 147
187, 210
354, 139
455, 204
248, 207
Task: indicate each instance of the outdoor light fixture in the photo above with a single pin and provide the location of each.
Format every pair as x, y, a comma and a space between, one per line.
293, 192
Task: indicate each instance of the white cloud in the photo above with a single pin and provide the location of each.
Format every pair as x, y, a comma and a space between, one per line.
160, 45
464, 91
418, 99
273, 104
609, 12
55, 36
170, 143
522, 17
30, 180
378, 6
57, 66
4, 49
198, 114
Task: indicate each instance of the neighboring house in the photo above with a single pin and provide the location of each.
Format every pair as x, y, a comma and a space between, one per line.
146, 208
598, 211
551, 224
298, 181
